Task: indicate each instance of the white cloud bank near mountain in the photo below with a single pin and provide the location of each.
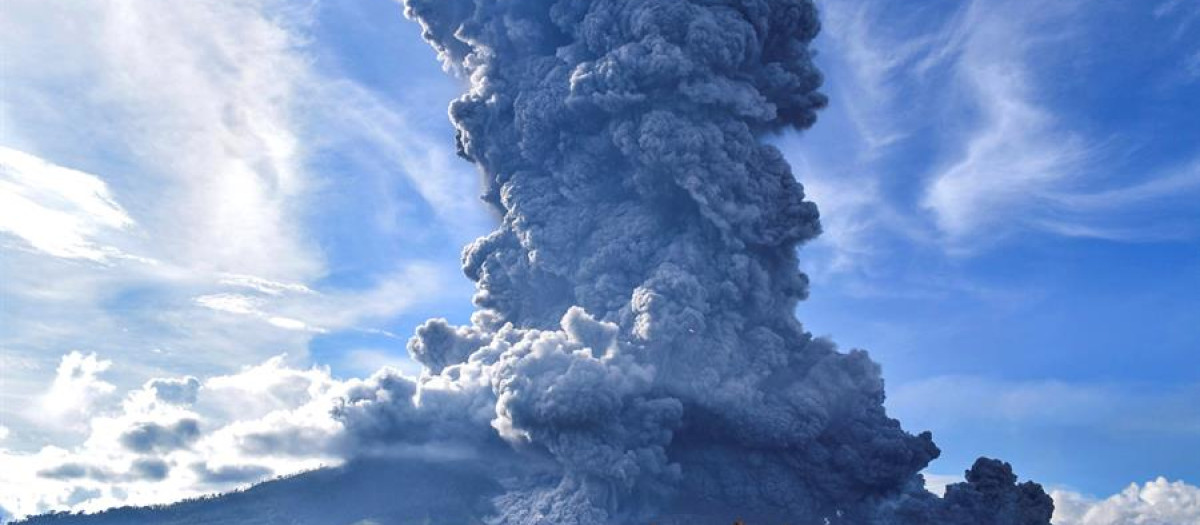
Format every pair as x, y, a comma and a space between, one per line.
1158, 502
181, 437
175, 437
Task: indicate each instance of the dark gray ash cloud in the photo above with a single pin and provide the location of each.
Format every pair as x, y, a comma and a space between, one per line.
635, 355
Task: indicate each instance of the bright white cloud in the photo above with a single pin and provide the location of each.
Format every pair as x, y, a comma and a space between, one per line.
258, 390
306, 310
956, 102
228, 302
877, 59
1158, 502
179, 437
247, 305
203, 120
1022, 166
77, 390
872, 59
193, 113
1017, 151
200, 101
57, 210
265, 286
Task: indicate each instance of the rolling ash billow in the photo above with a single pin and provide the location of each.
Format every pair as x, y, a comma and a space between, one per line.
635, 356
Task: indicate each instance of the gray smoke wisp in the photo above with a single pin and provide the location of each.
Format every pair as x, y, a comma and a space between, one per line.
635, 356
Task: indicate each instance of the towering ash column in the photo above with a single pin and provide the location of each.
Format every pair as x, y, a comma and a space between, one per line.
636, 337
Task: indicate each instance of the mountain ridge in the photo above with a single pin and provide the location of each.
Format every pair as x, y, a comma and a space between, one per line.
357, 493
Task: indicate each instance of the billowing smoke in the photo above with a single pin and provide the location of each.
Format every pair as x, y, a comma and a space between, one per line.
635, 356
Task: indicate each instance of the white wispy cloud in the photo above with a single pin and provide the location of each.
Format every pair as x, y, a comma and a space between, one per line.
250, 306
879, 61
1017, 150
1023, 166
835, 160
190, 113
1183, 13
307, 310
266, 286
227, 302
56, 210
196, 101
396, 145
173, 208
957, 103
877, 50
1155, 209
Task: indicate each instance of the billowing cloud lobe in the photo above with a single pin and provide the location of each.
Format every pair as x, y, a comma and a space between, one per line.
635, 355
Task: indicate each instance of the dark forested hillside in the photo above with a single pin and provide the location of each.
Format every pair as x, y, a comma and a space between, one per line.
360, 493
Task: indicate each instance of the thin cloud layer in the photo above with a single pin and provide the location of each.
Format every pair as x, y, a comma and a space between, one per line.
969, 105
58, 211
197, 103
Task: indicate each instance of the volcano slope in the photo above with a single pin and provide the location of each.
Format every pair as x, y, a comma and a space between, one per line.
635, 354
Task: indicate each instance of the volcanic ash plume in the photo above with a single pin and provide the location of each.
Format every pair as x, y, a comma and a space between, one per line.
635, 355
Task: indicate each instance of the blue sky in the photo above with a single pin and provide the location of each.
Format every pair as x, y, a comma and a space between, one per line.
1009, 192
